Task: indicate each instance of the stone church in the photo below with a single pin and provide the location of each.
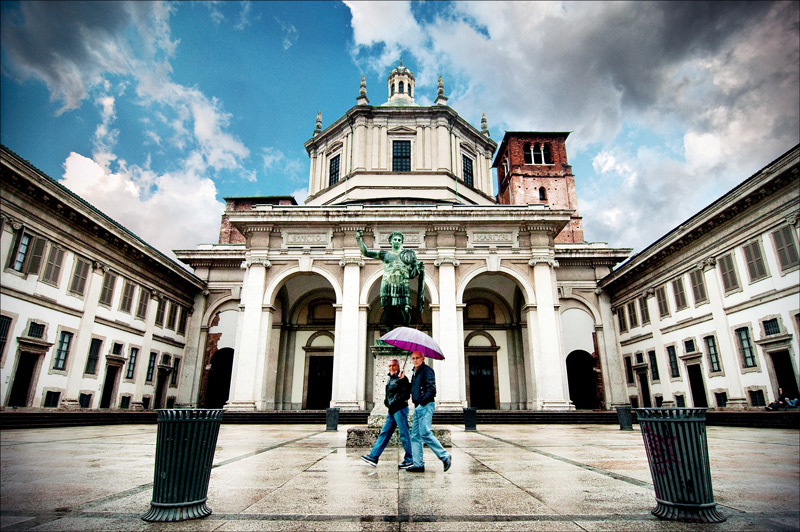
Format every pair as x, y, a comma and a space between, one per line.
292, 307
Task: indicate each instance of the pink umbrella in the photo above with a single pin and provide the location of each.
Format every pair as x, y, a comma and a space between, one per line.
409, 339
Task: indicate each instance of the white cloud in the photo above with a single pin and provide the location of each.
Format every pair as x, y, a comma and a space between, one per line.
290, 34
179, 211
300, 195
244, 16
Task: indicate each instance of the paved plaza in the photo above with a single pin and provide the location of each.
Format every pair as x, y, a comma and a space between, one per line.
299, 477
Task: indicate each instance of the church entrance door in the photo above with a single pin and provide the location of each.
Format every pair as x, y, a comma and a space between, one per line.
644, 386
218, 386
784, 373
582, 380
319, 382
481, 382
109, 385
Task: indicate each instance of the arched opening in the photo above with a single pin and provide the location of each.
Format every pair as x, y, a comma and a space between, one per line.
494, 353
401, 88
219, 379
542, 194
582, 380
548, 156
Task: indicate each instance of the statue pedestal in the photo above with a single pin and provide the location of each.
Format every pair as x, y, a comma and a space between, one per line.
366, 436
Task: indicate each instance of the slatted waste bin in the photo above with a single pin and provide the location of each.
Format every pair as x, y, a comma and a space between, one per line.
675, 441
184, 453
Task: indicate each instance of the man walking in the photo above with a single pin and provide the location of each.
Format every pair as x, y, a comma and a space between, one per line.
397, 392
423, 392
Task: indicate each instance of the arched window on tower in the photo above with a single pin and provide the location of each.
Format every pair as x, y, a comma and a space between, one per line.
542, 194
401, 88
392, 90
526, 151
547, 154
537, 154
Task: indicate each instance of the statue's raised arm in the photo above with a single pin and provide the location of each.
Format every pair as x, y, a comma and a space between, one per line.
363, 247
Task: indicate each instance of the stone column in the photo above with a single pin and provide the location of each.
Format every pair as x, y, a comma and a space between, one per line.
450, 376
726, 350
193, 352
361, 386
267, 362
549, 361
243, 379
613, 370
94, 283
346, 347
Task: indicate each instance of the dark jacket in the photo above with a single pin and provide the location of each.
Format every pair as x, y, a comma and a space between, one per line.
423, 385
397, 393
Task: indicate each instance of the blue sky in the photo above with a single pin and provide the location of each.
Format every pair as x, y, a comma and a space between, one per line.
155, 111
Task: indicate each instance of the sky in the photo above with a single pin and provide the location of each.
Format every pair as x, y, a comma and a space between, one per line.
155, 111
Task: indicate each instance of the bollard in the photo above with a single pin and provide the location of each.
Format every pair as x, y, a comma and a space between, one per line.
677, 451
625, 417
185, 445
470, 419
332, 419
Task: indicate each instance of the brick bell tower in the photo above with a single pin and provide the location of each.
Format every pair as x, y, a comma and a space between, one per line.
532, 168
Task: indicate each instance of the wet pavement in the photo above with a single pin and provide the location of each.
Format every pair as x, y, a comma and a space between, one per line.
299, 477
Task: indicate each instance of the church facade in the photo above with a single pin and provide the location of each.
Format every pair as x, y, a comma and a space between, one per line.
511, 287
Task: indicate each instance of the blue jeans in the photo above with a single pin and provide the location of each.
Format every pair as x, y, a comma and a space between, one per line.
400, 420
421, 433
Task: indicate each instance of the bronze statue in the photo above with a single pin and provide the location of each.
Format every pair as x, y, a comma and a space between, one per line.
399, 266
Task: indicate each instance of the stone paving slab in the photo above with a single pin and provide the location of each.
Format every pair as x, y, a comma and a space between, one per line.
299, 477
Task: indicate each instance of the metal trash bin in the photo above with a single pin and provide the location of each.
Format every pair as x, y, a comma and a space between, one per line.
185, 447
677, 450
332, 419
470, 419
625, 417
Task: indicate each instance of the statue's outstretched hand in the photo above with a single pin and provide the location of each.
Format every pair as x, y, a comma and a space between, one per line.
359, 234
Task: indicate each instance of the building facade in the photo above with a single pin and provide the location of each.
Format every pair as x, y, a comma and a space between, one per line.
293, 306
709, 315
91, 316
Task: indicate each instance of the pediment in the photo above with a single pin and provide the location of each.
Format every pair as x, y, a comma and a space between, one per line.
333, 147
402, 130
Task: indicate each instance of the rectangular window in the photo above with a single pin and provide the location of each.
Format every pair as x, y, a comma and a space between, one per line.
466, 167
85, 400
746, 347
182, 321
713, 354
35, 330
132, 363
640, 358
5, 325
757, 398
51, 399
659, 401
94, 356
771, 327
661, 297
721, 398
634, 319
729, 280
160, 312
679, 293
144, 298
689, 346
333, 171
673, 362
644, 310
623, 325
755, 260
698, 280
146, 403
127, 297
653, 365
62, 352
52, 270
680, 401
172, 316
176, 365
78, 284
401, 156
151, 367
22, 252
786, 247
37, 253
125, 402
107, 293
116, 349
628, 370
